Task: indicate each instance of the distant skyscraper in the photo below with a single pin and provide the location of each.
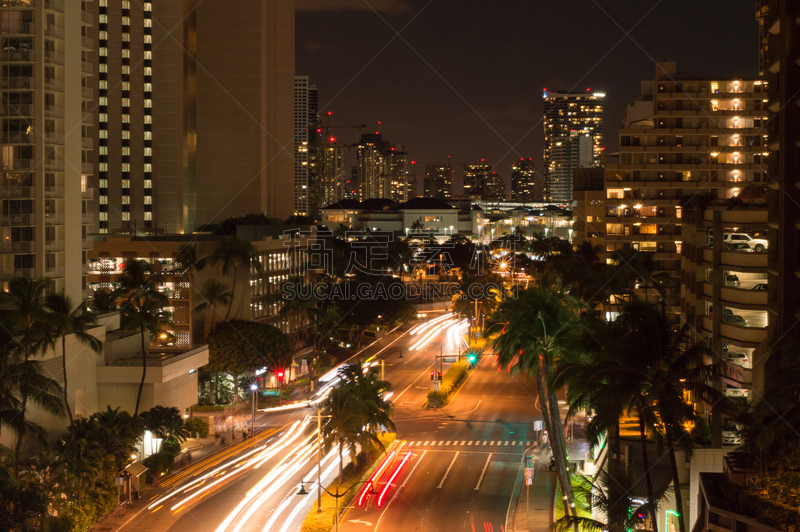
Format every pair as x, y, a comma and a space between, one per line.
46, 142
350, 186
195, 124
474, 177
398, 174
373, 167
523, 180
566, 115
762, 12
438, 181
493, 187
305, 114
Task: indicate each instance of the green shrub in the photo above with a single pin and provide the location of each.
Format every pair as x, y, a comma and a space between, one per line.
158, 464
208, 408
702, 432
198, 426
454, 376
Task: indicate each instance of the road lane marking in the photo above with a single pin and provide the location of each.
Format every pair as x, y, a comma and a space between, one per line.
419, 443
441, 442
483, 472
527, 444
513, 443
490, 443
506, 442
463, 442
470, 443
426, 443
448, 442
447, 472
483, 443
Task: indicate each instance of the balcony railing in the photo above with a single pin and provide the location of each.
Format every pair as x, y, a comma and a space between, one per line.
18, 165
87, 168
87, 93
54, 272
30, 273
18, 192
55, 5
87, 42
88, 193
23, 109
54, 192
52, 111
18, 55
51, 30
18, 220
18, 138
54, 165
87, 144
87, 244
52, 84
17, 28
18, 3
87, 118
9, 246
87, 68
87, 18
54, 245
54, 138
18, 82
54, 57
87, 218
54, 219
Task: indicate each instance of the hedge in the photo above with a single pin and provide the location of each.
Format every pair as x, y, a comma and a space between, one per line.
196, 425
454, 376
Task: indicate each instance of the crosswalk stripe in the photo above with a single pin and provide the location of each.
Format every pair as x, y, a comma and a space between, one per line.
463, 442
448, 442
506, 442
470, 443
441, 443
484, 443
527, 444
513, 443
426, 443
419, 443
489, 444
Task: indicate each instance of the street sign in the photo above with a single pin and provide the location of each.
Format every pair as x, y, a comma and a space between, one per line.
528, 472
267, 393
537, 425
529, 482
529, 461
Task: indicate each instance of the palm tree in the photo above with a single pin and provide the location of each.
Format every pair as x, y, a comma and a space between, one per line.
234, 252
474, 300
611, 495
537, 327
25, 301
186, 261
64, 320
143, 309
370, 390
214, 293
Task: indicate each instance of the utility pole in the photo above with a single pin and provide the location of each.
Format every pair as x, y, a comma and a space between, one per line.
254, 392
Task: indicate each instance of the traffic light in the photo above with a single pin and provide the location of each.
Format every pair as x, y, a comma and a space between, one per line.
440, 376
433, 375
472, 358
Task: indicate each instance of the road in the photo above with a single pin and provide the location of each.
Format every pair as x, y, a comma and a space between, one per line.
463, 462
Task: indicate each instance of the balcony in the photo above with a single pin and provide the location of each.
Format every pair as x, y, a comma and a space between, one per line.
18, 220
18, 3
86, 244
52, 84
18, 82
54, 138
17, 192
18, 138
51, 30
87, 168
51, 111
87, 68
87, 144
87, 118
88, 193
20, 56
11, 27
8, 274
54, 5
18, 165
740, 296
743, 336
21, 110
54, 58
87, 42
10, 246
54, 192
54, 165
87, 93
54, 245
87, 18
87, 218
54, 219
52, 272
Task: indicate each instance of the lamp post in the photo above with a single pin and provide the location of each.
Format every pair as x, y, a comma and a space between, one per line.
319, 460
254, 390
336, 495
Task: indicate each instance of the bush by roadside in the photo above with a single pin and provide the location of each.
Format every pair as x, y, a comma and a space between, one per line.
454, 376
197, 426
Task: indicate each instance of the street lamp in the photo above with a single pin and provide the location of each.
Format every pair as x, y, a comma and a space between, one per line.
254, 389
336, 495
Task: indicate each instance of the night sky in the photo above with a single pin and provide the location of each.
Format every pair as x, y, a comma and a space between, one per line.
464, 79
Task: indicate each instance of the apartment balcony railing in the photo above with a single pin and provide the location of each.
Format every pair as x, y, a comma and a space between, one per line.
87, 118
87, 18
87, 144
87, 68
23, 109
54, 245
88, 293
54, 57
26, 56
52, 84
54, 219
87, 168
18, 219
88, 193
18, 3
10, 246
18, 138
54, 192
87, 93
18, 192
51, 30
54, 165
11, 273
54, 272
54, 5
18, 82
87, 42
17, 28
18, 165
52, 111
87, 244
87, 218
54, 138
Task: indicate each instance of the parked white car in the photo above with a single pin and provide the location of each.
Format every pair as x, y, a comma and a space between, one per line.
731, 433
756, 244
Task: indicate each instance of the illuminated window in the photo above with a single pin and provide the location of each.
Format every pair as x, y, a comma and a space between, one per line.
126, 200
126, 217
648, 229
615, 193
148, 216
148, 168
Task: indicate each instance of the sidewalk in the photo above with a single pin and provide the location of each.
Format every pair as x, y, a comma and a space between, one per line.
531, 507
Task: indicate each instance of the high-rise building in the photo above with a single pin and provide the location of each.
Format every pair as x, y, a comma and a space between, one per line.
473, 178
46, 141
762, 11
373, 167
438, 181
568, 115
523, 180
398, 174
492, 188
305, 117
682, 138
194, 126
327, 170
